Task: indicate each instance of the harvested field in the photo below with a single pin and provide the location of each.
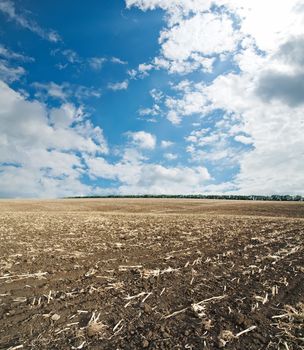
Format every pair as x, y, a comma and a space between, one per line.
151, 274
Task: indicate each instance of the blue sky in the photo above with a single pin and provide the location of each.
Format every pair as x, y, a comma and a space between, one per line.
151, 96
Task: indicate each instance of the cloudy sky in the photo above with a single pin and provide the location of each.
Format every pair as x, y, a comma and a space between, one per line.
151, 96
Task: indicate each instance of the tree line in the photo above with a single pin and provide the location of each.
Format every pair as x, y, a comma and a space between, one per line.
274, 197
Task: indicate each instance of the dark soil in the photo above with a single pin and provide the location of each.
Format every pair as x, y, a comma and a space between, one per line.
151, 275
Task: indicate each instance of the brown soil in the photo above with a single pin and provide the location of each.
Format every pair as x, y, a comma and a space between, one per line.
151, 274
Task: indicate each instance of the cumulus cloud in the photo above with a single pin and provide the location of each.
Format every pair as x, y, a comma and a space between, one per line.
193, 34
142, 139
191, 101
150, 113
215, 145
204, 34
155, 110
170, 156
42, 149
47, 151
176, 9
258, 100
268, 27
22, 182
274, 132
137, 177
166, 143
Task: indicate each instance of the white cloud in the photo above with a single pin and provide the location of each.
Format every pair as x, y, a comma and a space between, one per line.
65, 115
182, 66
142, 139
173, 117
273, 129
136, 177
64, 91
170, 156
166, 144
9, 73
193, 34
8, 8
132, 73
176, 9
148, 111
159, 179
243, 139
42, 150
9, 70
268, 22
200, 137
157, 95
119, 86
258, 19
51, 89
213, 145
9, 54
144, 69
263, 101
118, 61
61, 66
28, 182
155, 110
204, 34
71, 56
192, 102
96, 63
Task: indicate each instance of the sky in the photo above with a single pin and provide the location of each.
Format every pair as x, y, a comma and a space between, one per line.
151, 97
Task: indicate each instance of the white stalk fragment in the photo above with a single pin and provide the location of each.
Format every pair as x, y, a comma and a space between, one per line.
175, 313
246, 331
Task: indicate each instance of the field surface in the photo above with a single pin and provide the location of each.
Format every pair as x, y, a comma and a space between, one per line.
151, 274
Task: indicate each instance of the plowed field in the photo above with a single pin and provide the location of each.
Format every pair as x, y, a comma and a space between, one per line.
151, 274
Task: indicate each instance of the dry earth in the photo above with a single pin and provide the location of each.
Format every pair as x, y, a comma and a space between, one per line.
151, 274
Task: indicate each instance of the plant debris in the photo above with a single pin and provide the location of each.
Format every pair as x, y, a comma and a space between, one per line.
151, 274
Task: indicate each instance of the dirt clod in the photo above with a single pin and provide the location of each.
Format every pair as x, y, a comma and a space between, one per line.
55, 317
95, 329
